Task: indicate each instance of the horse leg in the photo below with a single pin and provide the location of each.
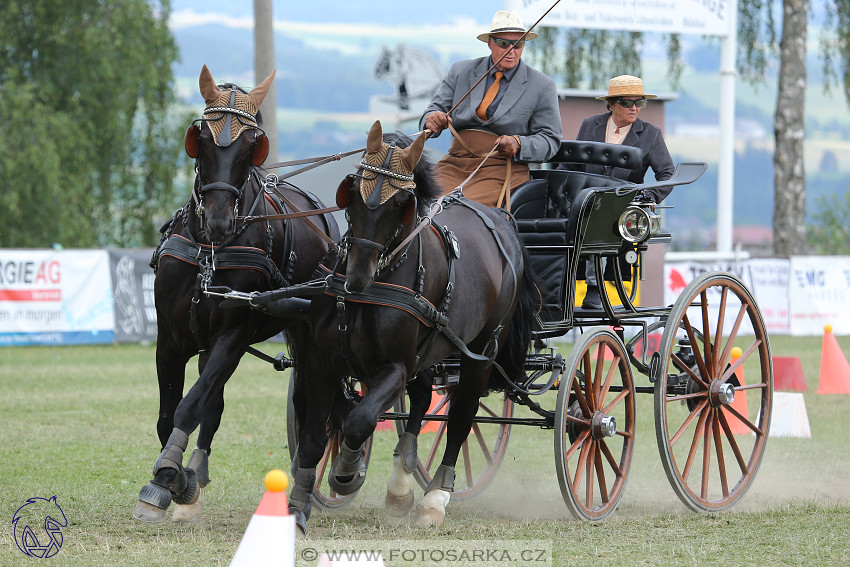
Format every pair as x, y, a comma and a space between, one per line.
472, 384
399, 497
199, 460
312, 437
348, 472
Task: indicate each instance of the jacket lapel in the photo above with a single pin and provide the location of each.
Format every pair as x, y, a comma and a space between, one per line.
477, 94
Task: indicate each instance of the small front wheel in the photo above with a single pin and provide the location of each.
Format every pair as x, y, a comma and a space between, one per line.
595, 425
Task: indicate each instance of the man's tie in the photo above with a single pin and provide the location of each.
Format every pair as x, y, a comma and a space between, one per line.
489, 96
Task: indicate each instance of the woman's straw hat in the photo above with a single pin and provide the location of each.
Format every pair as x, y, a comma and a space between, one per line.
504, 22
625, 85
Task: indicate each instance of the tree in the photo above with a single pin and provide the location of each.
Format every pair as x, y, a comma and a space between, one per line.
830, 232
91, 143
590, 52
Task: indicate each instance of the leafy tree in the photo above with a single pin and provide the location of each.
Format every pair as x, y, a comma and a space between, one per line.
90, 149
588, 58
830, 233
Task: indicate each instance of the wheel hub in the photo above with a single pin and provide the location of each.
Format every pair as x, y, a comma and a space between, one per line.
603, 426
721, 394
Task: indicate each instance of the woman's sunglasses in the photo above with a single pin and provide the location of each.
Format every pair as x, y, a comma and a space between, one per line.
625, 103
505, 43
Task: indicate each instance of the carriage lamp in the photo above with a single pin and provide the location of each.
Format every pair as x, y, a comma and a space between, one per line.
636, 223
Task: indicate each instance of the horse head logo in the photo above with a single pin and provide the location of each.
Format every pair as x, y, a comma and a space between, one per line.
38, 527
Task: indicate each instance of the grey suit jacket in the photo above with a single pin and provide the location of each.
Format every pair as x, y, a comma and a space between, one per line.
529, 107
643, 135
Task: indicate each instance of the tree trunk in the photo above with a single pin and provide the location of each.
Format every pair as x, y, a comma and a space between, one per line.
789, 211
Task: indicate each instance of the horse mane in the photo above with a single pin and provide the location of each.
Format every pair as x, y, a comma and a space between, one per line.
427, 189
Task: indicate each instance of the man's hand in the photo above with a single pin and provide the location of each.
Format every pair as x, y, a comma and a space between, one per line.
507, 146
437, 121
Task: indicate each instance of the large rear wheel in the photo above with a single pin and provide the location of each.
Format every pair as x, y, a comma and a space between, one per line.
712, 417
595, 425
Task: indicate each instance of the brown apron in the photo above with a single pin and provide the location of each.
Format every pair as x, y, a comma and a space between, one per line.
486, 186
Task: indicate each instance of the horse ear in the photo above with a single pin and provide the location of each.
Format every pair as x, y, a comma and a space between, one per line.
261, 150
411, 155
343, 192
408, 212
260, 91
209, 90
192, 141
375, 141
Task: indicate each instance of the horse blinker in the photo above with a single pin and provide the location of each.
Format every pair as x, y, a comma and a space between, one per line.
260, 151
343, 192
192, 142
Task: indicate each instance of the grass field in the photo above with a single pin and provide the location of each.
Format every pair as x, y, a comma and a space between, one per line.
79, 422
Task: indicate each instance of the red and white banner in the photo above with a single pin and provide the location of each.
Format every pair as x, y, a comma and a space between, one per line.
819, 288
55, 297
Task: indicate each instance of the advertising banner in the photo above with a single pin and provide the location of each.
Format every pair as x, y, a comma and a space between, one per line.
55, 297
819, 288
767, 280
132, 283
703, 17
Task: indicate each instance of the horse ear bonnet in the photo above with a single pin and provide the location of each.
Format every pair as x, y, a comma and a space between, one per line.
227, 125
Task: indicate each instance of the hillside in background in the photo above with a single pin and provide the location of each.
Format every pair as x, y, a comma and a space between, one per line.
326, 96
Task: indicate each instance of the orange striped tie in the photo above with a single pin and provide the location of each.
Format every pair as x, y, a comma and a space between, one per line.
489, 96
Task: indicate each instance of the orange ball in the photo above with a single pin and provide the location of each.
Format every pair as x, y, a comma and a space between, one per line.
276, 481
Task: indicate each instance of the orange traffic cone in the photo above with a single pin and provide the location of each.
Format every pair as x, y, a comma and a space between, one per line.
270, 536
834, 368
737, 426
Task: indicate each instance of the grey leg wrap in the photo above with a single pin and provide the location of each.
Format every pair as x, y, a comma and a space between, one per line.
172, 454
443, 479
348, 472
301, 498
406, 450
200, 463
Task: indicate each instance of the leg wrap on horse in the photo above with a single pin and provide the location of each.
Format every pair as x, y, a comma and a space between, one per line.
171, 456
444, 479
200, 463
348, 472
301, 498
406, 450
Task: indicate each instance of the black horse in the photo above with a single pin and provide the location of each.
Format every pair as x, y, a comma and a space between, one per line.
209, 242
403, 296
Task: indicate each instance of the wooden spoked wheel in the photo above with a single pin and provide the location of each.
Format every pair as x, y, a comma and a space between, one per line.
713, 392
482, 452
323, 495
595, 425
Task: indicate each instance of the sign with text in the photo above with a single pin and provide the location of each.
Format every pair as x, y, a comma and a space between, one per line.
819, 288
702, 17
55, 297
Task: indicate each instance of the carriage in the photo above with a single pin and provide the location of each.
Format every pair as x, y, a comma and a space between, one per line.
711, 426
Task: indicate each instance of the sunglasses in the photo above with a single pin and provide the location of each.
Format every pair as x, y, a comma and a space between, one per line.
625, 103
505, 43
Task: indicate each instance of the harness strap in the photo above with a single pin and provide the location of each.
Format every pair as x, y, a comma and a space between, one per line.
506, 185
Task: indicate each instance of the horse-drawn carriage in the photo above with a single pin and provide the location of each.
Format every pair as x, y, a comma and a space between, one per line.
429, 316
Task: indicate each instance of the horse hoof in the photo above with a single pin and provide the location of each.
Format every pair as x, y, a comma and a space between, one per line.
399, 506
426, 517
300, 521
347, 485
187, 513
148, 513
190, 495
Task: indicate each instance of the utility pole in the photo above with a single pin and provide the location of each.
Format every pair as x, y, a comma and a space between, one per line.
263, 65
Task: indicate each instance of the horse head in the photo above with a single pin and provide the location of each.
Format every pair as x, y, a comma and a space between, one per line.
389, 182
227, 145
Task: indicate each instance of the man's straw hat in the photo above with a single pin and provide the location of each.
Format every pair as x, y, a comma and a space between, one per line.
505, 22
625, 85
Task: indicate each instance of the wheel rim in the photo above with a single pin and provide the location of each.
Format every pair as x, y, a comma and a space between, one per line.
324, 497
711, 446
593, 458
482, 452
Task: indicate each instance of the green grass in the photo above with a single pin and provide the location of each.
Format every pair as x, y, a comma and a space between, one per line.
79, 423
